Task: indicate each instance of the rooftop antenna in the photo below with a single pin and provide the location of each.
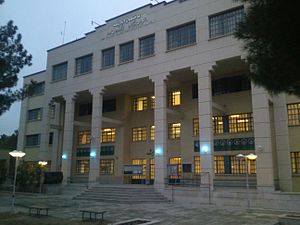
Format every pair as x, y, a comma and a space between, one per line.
93, 22
63, 34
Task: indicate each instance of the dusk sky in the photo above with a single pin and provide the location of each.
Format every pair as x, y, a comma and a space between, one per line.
41, 23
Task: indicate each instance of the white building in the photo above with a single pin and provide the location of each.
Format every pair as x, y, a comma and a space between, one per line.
171, 66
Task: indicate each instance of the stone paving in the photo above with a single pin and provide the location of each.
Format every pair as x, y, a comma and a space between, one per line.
64, 207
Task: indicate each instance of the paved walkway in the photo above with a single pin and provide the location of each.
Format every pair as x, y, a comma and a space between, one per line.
63, 206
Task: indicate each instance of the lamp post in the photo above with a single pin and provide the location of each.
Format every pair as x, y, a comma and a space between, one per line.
247, 157
16, 154
42, 164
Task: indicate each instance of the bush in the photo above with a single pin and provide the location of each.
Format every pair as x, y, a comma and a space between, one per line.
53, 177
3, 171
29, 176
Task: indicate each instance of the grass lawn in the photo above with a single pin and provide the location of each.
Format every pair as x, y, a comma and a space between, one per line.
24, 219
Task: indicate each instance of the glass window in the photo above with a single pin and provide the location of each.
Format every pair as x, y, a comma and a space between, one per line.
176, 161
147, 46
152, 102
51, 135
195, 127
108, 57
38, 89
85, 109
152, 169
126, 52
59, 71
82, 166
225, 22
109, 105
174, 130
52, 111
84, 137
84, 64
33, 140
34, 114
143, 163
181, 36
108, 135
83, 152
295, 158
230, 85
218, 124
294, 114
139, 104
139, 134
197, 166
107, 150
152, 133
219, 164
240, 123
238, 166
107, 166
174, 98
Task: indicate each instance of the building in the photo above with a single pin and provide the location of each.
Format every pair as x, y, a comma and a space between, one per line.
129, 102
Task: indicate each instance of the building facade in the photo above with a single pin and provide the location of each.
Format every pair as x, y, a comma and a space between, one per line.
158, 95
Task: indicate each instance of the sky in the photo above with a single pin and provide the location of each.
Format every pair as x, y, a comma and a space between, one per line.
41, 23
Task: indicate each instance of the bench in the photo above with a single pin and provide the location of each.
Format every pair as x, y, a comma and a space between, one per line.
92, 215
37, 210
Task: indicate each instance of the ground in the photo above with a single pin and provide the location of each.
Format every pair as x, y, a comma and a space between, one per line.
65, 211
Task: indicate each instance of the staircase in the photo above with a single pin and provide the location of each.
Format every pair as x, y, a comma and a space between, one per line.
128, 194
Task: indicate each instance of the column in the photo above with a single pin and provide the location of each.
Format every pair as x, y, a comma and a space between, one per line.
95, 133
44, 143
22, 125
55, 154
282, 143
68, 137
160, 123
263, 138
206, 138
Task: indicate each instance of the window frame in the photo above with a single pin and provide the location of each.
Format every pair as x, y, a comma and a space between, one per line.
139, 134
173, 95
86, 66
62, 76
143, 100
38, 136
111, 166
105, 59
123, 57
39, 114
86, 166
173, 133
295, 163
293, 118
109, 135
151, 46
88, 137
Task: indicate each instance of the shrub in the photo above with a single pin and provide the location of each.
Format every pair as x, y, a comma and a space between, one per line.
29, 176
3, 171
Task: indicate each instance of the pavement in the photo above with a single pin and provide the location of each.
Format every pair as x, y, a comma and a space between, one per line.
63, 206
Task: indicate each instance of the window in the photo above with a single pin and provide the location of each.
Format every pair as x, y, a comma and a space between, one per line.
141, 162
181, 36
139, 134
294, 114
82, 166
84, 64
176, 161
174, 98
238, 166
197, 167
152, 102
230, 85
126, 52
38, 89
225, 22
33, 140
152, 169
240, 123
51, 135
108, 135
85, 109
84, 137
109, 105
139, 104
107, 150
52, 111
59, 72
174, 130
295, 158
218, 124
107, 166
83, 152
219, 164
195, 127
108, 57
34, 114
147, 46
152, 133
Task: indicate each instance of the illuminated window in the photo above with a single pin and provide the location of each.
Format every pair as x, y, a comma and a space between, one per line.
84, 137
141, 162
295, 158
82, 166
152, 133
176, 161
240, 122
218, 124
294, 114
108, 135
174, 130
219, 164
107, 166
195, 127
139, 134
174, 98
197, 167
152, 102
152, 169
139, 104
238, 166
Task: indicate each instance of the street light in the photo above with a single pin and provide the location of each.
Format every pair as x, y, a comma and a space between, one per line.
247, 157
16, 154
42, 164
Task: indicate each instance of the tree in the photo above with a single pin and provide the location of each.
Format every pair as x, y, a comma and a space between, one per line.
9, 142
13, 57
269, 32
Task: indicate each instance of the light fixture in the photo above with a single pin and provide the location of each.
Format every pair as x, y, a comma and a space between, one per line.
64, 156
17, 154
93, 154
43, 163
